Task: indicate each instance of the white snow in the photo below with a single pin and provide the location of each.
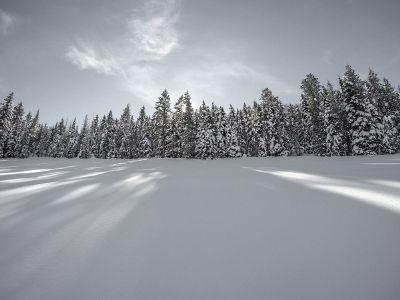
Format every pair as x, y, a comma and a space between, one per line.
252, 228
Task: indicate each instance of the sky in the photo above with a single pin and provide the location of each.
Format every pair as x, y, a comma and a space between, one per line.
77, 57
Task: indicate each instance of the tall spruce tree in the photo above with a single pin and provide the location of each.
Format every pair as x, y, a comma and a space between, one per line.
189, 129
85, 150
162, 118
294, 129
358, 113
6, 117
332, 121
312, 116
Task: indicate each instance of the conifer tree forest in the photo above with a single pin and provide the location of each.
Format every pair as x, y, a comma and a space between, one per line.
361, 117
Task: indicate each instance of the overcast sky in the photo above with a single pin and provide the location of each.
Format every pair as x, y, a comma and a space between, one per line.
69, 58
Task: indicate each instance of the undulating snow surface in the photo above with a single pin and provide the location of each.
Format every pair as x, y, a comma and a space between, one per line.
272, 228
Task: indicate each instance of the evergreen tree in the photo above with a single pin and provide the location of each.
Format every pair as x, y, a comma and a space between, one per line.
358, 113
205, 139
95, 137
162, 118
6, 117
189, 128
332, 121
312, 116
374, 95
143, 124
232, 141
15, 137
85, 150
57, 145
124, 134
294, 130
390, 110
272, 124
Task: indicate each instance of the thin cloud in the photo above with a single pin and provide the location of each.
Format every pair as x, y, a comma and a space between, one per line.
139, 59
7, 23
136, 56
85, 57
154, 33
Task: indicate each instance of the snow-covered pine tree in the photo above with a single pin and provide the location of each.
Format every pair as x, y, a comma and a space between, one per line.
173, 143
272, 124
205, 139
33, 134
57, 146
390, 109
232, 141
177, 128
6, 117
312, 116
44, 138
95, 137
189, 129
142, 134
294, 130
71, 140
84, 137
358, 113
25, 138
221, 128
109, 146
374, 95
249, 130
332, 122
15, 137
124, 137
162, 117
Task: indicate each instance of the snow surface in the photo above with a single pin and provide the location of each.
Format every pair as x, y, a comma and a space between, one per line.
272, 228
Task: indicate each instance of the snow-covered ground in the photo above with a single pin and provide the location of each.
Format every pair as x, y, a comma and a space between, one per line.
273, 228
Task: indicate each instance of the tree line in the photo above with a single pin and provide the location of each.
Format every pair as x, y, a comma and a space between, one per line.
361, 117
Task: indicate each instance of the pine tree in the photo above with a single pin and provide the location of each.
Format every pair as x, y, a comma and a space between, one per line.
95, 137
312, 116
205, 139
44, 137
143, 124
70, 140
124, 134
332, 121
358, 113
6, 117
15, 138
162, 118
189, 128
107, 144
390, 109
33, 134
232, 141
374, 95
84, 137
272, 125
57, 145
294, 130
249, 130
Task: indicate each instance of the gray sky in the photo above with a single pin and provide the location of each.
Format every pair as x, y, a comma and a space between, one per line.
69, 58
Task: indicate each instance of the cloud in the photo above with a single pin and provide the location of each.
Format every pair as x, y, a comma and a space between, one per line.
214, 76
7, 23
136, 56
140, 59
85, 57
327, 57
154, 33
